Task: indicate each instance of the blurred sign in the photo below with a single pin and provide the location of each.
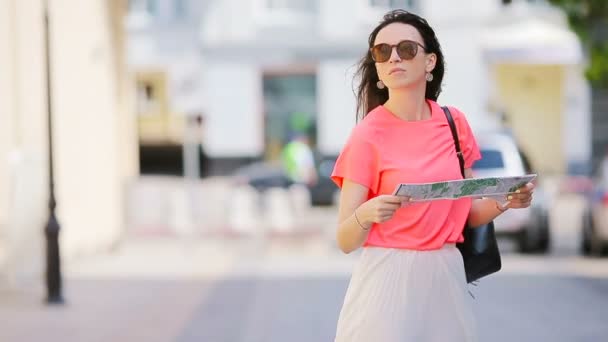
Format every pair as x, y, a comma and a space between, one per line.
185, 86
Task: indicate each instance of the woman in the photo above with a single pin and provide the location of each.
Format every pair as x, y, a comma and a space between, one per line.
409, 284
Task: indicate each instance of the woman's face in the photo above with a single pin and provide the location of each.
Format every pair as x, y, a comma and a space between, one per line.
398, 72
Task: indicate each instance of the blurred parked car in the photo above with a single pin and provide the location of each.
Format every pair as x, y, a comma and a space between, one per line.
325, 191
529, 227
595, 221
264, 175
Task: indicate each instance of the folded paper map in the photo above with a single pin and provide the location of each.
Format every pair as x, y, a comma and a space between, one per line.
471, 187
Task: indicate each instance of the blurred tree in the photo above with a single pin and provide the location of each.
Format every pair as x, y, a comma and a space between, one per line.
589, 19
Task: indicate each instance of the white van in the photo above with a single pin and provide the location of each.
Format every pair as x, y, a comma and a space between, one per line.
529, 227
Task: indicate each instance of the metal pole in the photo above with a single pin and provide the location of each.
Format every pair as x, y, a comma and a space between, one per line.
53, 269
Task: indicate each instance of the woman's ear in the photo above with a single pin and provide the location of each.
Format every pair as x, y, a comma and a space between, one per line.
431, 60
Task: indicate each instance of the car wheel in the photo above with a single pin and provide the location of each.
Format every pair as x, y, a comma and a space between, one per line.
592, 244
533, 244
544, 238
586, 234
535, 239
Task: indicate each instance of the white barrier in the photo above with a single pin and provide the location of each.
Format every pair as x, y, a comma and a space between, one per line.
148, 207
215, 205
278, 210
244, 211
22, 234
212, 204
300, 199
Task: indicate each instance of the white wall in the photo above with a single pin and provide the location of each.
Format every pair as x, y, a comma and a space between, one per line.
576, 115
7, 104
94, 137
23, 187
233, 109
465, 79
336, 104
89, 186
336, 19
457, 25
459, 12
229, 20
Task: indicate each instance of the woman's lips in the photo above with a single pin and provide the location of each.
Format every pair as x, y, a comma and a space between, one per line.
396, 70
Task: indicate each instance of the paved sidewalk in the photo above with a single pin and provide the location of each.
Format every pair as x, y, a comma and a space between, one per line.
102, 310
153, 289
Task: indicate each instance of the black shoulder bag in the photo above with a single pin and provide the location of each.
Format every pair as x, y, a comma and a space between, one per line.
479, 250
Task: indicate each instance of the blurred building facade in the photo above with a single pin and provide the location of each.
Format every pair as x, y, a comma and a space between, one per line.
600, 127
514, 59
536, 68
163, 52
94, 128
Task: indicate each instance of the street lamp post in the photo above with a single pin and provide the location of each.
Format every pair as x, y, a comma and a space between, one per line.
53, 268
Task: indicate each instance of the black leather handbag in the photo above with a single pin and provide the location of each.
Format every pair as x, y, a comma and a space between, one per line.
479, 250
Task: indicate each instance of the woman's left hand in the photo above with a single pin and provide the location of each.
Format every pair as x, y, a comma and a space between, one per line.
522, 198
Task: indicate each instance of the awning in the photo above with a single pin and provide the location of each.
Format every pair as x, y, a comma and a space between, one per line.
532, 41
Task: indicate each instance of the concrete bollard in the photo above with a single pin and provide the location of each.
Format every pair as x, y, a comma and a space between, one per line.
212, 204
180, 215
244, 212
148, 206
278, 210
300, 199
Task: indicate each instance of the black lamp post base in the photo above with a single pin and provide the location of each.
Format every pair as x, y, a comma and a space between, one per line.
55, 300
53, 262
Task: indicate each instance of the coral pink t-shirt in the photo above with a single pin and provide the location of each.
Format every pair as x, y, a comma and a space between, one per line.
384, 150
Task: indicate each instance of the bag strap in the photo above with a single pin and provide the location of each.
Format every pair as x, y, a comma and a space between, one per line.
448, 116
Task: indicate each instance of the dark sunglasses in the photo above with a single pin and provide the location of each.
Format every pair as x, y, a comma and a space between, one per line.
406, 49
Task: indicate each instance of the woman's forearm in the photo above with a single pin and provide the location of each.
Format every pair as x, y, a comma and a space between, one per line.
352, 234
483, 211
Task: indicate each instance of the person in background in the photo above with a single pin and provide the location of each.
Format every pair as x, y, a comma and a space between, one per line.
603, 174
204, 160
298, 160
409, 283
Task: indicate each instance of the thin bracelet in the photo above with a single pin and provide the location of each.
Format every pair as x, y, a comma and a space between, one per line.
500, 209
357, 219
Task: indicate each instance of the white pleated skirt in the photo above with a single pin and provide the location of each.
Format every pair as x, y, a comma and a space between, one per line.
398, 295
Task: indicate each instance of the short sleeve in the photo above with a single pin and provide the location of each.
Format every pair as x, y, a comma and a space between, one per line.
468, 143
358, 162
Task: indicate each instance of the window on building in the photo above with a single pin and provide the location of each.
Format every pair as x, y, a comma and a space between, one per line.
152, 6
404, 4
290, 102
509, 2
291, 5
143, 6
180, 8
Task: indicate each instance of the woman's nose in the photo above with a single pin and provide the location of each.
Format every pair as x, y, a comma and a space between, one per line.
394, 55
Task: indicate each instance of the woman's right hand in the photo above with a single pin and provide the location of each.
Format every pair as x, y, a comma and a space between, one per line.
381, 208
353, 231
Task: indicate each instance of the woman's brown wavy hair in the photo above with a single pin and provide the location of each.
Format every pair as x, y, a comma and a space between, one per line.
368, 94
